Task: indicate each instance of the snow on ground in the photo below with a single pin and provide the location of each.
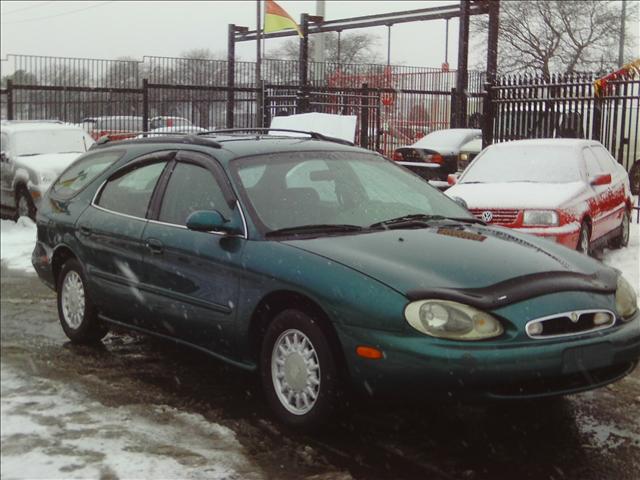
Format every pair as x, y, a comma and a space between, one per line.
48, 430
17, 242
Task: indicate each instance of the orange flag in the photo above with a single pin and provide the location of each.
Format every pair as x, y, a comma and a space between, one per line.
276, 18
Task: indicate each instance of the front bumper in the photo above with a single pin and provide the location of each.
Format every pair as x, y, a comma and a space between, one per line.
41, 258
566, 235
417, 367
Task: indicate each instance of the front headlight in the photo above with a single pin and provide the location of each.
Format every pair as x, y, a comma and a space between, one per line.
540, 217
452, 320
626, 300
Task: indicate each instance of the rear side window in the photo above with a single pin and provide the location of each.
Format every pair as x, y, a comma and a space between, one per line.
604, 158
130, 192
83, 171
592, 164
191, 188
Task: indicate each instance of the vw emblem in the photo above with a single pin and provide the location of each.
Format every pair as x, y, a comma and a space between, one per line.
487, 216
574, 317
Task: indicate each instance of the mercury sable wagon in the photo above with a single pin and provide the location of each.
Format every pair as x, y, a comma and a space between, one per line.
322, 266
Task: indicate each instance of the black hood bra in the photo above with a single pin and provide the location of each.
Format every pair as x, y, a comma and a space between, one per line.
522, 288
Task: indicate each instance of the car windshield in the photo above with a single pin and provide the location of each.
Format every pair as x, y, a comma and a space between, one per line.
530, 163
36, 142
289, 190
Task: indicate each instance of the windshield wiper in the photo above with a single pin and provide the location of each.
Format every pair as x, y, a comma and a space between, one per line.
29, 154
407, 220
420, 219
317, 228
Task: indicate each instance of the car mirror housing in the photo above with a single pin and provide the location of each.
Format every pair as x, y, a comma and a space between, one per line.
209, 221
601, 179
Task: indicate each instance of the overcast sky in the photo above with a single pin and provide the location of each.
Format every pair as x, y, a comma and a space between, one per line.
111, 29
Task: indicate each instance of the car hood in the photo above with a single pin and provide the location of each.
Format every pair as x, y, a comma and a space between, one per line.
441, 149
452, 256
516, 194
49, 164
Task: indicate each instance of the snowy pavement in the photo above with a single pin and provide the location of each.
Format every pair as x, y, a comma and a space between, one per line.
51, 430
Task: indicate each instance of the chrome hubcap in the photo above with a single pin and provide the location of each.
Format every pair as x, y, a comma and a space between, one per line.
584, 242
73, 300
295, 371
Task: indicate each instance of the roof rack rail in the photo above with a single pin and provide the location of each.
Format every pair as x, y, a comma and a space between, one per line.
155, 135
313, 135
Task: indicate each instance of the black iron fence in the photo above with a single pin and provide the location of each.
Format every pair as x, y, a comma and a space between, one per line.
394, 105
566, 106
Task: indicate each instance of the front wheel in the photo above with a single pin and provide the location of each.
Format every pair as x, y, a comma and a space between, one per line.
298, 370
584, 243
24, 204
622, 240
77, 314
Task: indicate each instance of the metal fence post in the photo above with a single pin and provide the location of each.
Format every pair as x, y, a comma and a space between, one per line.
145, 104
364, 116
231, 73
596, 133
487, 116
453, 113
260, 104
9, 99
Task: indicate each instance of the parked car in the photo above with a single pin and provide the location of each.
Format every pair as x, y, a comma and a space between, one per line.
440, 153
570, 191
33, 154
168, 122
320, 265
115, 127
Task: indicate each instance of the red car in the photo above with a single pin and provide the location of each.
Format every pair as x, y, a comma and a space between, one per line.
571, 191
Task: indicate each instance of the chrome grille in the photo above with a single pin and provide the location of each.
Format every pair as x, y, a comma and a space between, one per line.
503, 216
570, 323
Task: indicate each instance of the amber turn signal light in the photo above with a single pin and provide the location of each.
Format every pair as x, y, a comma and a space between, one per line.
369, 352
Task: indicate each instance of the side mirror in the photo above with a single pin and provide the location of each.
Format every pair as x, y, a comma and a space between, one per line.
209, 221
601, 179
461, 202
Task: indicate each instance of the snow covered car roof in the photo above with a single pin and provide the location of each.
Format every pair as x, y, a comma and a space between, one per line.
447, 141
32, 126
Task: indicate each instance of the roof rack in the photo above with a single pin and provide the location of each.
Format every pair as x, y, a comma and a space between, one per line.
313, 135
158, 136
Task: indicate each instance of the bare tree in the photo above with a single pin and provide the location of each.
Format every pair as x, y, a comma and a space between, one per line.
354, 48
544, 36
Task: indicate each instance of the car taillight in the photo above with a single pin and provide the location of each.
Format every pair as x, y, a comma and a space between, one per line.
397, 156
434, 158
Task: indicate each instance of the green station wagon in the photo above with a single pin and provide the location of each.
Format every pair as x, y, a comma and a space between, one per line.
322, 266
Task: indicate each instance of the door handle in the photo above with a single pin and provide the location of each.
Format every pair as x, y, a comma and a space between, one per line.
85, 231
155, 245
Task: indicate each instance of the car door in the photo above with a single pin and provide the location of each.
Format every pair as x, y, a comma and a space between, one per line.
110, 237
193, 276
598, 193
7, 168
613, 203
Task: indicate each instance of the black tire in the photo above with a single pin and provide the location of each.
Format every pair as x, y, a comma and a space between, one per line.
85, 327
23, 198
584, 239
622, 240
324, 405
634, 178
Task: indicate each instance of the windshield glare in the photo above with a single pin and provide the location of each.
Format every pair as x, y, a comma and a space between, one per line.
288, 190
537, 164
37, 142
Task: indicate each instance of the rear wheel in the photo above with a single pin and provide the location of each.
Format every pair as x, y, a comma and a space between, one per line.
24, 204
77, 314
584, 243
298, 370
622, 240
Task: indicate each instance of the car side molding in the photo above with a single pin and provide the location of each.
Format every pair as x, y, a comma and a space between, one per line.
522, 288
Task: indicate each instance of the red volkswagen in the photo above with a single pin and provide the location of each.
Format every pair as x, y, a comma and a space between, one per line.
571, 191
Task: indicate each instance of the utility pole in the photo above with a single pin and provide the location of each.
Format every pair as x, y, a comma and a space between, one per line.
623, 20
319, 54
